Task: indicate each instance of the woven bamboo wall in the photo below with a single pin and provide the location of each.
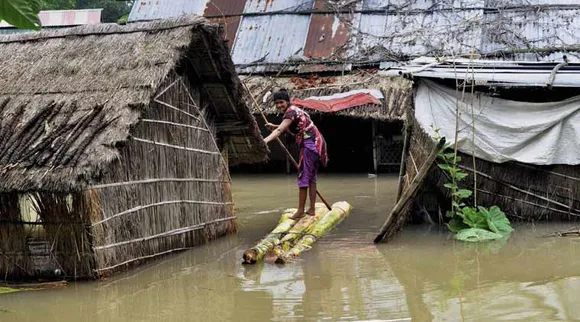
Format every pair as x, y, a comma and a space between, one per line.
170, 189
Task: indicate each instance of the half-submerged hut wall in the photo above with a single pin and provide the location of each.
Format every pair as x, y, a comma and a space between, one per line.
526, 192
171, 189
46, 234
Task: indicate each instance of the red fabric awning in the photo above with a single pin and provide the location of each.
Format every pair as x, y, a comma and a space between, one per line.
337, 104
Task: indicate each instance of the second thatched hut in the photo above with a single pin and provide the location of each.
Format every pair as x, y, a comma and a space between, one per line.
516, 125
362, 136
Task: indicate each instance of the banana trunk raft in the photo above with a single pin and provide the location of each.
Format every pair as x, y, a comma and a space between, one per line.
293, 237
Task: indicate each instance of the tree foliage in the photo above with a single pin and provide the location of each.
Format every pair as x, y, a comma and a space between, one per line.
21, 13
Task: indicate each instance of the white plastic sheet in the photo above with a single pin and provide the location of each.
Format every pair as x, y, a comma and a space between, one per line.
535, 133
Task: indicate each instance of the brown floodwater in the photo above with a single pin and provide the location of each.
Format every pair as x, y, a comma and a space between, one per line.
422, 275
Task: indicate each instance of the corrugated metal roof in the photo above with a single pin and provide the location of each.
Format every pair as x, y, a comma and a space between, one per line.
421, 4
425, 33
328, 34
496, 73
278, 5
162, 9
269, 39
538, 29
217, 8
280, 28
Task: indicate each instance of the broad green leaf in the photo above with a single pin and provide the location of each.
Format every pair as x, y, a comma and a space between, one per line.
445, 167
456, 225
473, 219
458, 159
496, 220
464, 193
457, 204
450, 186
476, 235
460, 175
21, 13
448, 156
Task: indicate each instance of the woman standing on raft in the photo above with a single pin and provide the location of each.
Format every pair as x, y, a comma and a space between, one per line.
312, 148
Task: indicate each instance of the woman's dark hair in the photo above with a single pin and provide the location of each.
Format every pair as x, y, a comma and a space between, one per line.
282, 94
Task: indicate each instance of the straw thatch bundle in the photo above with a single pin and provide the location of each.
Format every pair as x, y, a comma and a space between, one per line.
121, 137
397, 93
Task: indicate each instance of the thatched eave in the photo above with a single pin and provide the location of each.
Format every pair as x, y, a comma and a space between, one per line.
397, 92
69, 98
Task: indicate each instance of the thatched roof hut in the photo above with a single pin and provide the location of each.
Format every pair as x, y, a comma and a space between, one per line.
114, 144
368, 133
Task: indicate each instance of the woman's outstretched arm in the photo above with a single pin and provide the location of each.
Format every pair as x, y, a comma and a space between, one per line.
278, 131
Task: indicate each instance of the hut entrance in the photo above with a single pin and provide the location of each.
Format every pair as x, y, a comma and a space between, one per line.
45, 235
361, 145
354, 145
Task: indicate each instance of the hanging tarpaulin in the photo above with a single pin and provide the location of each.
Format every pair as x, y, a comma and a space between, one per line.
340, 101
505, 130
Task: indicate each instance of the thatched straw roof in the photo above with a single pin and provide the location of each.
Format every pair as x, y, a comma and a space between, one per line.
397, 92
103, 77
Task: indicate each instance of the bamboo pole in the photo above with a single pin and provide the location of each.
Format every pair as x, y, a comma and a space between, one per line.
282, 144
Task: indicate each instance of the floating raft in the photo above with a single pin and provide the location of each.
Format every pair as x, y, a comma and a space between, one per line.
290, 238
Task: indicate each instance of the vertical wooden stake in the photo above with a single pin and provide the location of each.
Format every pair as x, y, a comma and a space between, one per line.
375, 152
406, 145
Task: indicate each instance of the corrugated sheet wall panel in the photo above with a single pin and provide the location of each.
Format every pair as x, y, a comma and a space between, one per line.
538, 29
328, 34
278, 5
162, 9
274, 37
423, 29
426, 33
231, 23
422, 4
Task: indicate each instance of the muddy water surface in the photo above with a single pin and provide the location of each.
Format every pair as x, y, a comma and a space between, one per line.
420, 276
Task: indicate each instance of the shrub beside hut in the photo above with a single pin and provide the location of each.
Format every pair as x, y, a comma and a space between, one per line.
115, 143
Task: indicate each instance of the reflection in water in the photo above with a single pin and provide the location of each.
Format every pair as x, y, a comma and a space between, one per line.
422, 275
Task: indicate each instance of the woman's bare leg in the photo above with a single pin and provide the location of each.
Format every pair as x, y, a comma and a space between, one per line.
312, 192
302, 194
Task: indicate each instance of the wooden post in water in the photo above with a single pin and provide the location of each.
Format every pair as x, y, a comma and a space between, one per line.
397, 216
374, 140
406, 146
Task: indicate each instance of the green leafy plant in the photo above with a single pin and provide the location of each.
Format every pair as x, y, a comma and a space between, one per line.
470, 224
22, 14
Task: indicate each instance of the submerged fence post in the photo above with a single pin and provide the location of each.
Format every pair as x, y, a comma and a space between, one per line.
403, 168
374, 140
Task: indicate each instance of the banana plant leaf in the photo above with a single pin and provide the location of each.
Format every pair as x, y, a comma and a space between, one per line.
329, 221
